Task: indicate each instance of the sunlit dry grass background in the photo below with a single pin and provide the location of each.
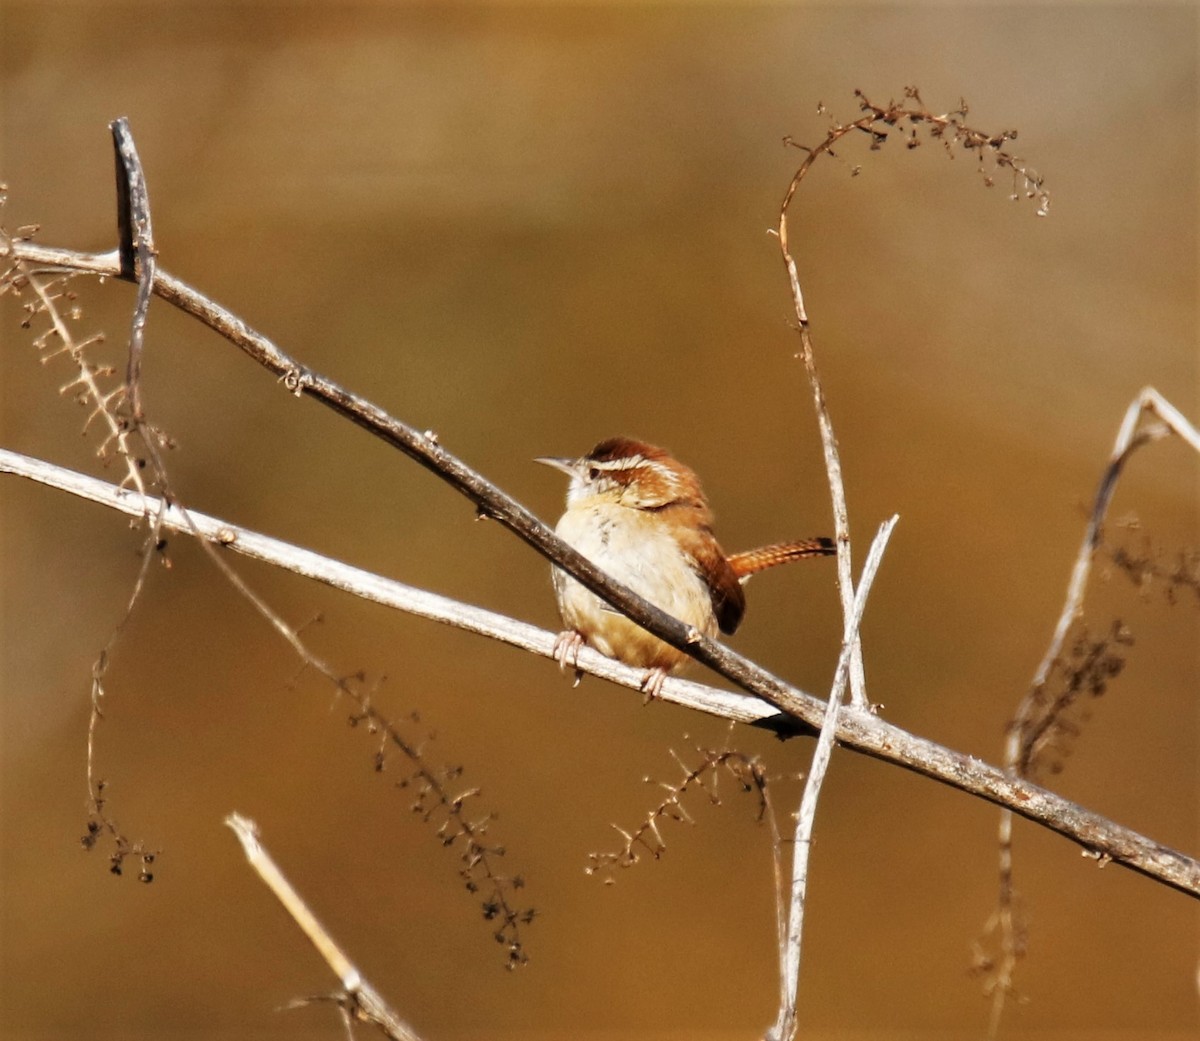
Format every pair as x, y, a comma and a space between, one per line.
529, 227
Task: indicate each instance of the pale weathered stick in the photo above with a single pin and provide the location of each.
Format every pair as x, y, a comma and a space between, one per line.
837, 491
857, 730
358, 999
790, 944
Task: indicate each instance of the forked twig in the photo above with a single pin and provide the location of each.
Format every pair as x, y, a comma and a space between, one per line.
1131, 436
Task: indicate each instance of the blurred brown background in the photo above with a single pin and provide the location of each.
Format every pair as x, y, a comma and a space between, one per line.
527, 228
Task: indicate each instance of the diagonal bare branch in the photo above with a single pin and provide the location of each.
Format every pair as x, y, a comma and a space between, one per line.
358, 999
857, 730
425, 448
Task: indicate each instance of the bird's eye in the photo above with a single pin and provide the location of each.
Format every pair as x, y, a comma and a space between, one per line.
594, 473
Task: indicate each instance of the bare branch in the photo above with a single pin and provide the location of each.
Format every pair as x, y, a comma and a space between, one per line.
857, 730
425, 449
358, 999
389, 593
837, 490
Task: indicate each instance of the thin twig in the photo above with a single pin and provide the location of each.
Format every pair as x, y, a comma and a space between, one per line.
358, 999
829, 445
136, 249
789, 954
833, 469
857, 730
105, 405
122, 437
837, 491
704, 774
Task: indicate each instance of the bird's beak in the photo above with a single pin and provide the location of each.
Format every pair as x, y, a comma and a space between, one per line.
568, 466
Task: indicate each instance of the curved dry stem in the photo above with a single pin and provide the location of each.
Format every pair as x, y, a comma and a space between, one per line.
878, 122
1039, 716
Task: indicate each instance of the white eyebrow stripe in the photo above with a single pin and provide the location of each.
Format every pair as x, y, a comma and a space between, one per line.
626, 463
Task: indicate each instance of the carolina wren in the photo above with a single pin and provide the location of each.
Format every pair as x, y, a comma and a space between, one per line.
639, 514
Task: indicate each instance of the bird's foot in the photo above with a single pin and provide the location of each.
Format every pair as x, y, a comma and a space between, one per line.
652, 684
566, 649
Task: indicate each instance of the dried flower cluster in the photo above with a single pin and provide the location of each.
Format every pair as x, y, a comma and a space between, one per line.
436, 801
1059, 707
1176, 573
910, 117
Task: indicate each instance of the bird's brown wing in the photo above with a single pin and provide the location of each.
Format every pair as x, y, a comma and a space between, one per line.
728, 600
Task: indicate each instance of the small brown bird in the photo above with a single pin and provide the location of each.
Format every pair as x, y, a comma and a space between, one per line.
639, 514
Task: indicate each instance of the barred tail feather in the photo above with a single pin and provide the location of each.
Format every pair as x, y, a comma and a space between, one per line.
753, 561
